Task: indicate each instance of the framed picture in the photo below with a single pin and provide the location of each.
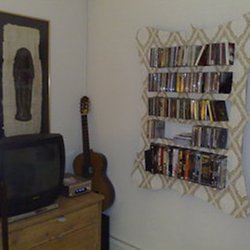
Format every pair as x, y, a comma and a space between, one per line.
24, 79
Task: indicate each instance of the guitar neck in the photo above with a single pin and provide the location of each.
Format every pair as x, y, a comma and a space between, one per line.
85, 140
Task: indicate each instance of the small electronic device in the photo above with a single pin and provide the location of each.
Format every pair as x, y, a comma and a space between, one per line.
74, 185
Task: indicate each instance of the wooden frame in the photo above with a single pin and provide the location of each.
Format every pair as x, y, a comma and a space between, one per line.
24, 53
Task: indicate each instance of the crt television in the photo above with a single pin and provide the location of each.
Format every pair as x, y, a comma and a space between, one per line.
32, 169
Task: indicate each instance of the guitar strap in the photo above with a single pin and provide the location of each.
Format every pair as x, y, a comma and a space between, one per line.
4, 214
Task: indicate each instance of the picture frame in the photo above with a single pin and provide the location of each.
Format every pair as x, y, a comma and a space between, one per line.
24, 76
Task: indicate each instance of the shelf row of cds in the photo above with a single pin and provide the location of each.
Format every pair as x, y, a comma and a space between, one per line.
191, 82
185, 108
201, 136
209, 137
190, 165
193, 55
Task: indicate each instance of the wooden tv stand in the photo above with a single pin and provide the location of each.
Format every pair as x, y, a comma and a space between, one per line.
76, 224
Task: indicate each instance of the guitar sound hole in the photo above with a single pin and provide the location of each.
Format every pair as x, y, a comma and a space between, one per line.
91, 170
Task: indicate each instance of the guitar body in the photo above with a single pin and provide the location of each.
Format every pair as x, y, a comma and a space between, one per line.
100, 182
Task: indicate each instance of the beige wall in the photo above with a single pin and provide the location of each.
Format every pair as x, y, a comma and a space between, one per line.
67, 62
150, 220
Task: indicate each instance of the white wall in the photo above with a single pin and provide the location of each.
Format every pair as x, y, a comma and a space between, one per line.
150, 220
68, 26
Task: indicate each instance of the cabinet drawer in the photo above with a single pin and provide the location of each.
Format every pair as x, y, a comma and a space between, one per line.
82, 239
55, 228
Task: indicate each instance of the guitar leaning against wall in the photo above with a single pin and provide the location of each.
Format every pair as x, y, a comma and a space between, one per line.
92, 165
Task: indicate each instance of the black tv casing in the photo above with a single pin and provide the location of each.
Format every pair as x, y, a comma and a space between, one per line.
23, 203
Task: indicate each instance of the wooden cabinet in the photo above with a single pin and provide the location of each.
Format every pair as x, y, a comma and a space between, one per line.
76, 224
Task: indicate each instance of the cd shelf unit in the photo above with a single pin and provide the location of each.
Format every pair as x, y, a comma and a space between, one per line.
204, 168
194, 113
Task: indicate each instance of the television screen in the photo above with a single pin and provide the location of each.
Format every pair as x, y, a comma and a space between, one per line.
32, 168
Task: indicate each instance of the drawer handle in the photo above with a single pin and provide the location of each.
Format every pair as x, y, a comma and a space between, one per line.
61, 219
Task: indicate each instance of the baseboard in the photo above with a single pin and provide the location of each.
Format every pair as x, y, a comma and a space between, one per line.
118, 244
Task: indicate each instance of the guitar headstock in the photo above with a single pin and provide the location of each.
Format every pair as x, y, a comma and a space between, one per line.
84, 105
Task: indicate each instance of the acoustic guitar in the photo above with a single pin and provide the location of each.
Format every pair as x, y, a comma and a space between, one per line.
92, 165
